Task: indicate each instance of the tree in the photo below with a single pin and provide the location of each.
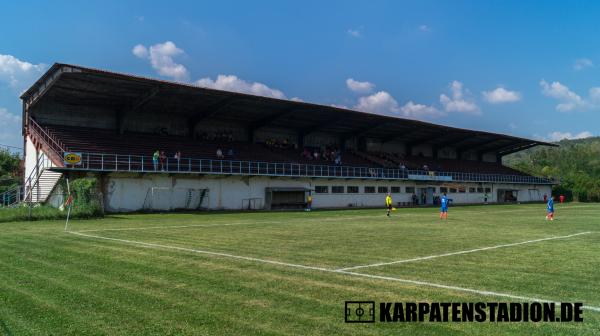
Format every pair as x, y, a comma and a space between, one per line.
10, 172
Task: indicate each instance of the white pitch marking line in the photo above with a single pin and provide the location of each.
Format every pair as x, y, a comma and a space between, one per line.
152, 245
377, 277
461, 289
307, 220
172, 227
461, 252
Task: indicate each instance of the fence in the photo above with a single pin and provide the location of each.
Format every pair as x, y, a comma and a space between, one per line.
139, 163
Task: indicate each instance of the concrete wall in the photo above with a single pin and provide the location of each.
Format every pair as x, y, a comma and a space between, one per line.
31, 156
489, 157
124, 192
447, 153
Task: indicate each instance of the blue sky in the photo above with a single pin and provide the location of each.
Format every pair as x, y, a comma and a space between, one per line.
529, 68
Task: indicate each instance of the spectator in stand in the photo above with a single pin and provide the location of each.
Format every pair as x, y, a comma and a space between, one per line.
177, 158
219, 153
425, 167
155, 157
306, 154
230, 152
316, 154
163, 159
338, 158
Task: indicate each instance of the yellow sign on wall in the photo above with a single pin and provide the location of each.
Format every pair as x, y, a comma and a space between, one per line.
72, 158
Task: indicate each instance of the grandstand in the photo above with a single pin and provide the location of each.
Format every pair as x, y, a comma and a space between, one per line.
242, 151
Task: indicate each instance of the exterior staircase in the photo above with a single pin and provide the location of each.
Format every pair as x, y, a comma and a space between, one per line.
41, 181
44, 186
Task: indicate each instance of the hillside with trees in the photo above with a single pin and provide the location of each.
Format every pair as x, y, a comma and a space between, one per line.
576, 163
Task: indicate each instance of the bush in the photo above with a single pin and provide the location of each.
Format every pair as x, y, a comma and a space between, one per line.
87, 203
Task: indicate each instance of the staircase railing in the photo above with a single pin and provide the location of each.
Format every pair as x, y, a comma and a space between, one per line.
31, 183
54, 145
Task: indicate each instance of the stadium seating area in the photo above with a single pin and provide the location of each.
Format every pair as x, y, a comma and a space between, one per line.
91, 140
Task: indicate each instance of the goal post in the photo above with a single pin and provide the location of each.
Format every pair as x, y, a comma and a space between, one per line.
167, 199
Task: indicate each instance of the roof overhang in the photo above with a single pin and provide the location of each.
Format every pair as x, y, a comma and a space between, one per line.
77, 85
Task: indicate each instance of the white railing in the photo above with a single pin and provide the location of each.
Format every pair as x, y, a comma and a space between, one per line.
140, 163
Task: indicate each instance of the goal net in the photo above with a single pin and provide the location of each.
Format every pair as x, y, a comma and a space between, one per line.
165, 199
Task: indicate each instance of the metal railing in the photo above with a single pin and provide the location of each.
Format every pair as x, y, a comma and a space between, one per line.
140, 163
30, 187
11, 196
54, 145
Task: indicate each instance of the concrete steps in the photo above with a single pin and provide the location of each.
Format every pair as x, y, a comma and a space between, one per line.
46, 183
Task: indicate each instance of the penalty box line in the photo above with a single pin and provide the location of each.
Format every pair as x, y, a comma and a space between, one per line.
314, 268
461, 252
305, 220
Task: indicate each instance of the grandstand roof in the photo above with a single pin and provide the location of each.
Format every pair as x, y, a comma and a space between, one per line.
77, 85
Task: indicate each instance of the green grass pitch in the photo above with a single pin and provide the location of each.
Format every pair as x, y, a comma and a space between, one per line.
277, 273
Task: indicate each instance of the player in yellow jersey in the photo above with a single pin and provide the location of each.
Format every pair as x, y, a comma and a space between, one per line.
388, 203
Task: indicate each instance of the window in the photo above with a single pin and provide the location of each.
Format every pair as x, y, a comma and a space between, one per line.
321, 189
479, 189
471, 189
352, 190
382, 190
395, 190
369, 190
410, 190
443, 189
487, 190
452, 190
462, 189
337, 189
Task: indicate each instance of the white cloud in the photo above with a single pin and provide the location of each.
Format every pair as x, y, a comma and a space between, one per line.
424, 28
380, 102
501, 95
359, 87
569, 100
595, 95
357, 33
557, 135
140, 51
459, 102
420, 111
10, 124
161, 57
582, 63
233, 83
19, 74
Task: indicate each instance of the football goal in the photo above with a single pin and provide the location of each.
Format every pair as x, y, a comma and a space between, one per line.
166, 199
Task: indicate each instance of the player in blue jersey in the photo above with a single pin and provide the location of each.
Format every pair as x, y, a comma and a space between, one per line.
444, 207
550, 209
